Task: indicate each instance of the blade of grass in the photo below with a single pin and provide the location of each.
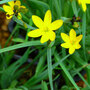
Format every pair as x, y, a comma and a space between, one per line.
84, 32
34, 80
74, 7
14, 30
26, 44
75, 12
22, 23
5, 1
58, 7
40, 65
51, 5
66, 71
88, 74
8, 74
49, 67
30, 23
44, 86
84, 79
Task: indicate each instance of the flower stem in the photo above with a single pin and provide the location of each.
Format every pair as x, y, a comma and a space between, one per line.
49, 67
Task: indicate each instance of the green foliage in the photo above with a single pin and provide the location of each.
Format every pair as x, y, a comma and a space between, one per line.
51, 63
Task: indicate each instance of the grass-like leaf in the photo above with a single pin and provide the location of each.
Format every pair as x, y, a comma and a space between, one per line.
49, 61
26, 44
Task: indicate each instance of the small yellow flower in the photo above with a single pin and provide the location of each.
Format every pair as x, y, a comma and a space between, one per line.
45, 28
83, 3
71, 41
12, 9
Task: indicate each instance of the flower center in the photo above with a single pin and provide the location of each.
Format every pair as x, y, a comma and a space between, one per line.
46, 29
73, 42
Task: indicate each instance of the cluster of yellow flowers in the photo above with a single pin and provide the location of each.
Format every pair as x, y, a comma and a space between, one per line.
46, 31
46, 28
14, 8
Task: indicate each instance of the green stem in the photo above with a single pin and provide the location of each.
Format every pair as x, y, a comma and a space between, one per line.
49, 67
13, 32
88, 74
84, 32
30, 23
66, 71
74, 7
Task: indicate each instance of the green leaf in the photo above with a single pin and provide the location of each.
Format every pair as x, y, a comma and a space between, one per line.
5, 1
22, 23
66, 71
8, 74
49, 61
36, 4
40, 65
26, 44
84, 32
34, 80
74, 7
18, 40
44, 85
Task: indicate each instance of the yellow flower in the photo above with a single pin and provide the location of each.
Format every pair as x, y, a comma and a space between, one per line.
83, 3
12, 9
71, 41
45, 28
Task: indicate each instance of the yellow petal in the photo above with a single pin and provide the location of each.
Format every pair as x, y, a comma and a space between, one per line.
8, 17
8, 9
48, 17
35, 33
65, 37
19, 16
77, 46
11, 3
78, 38
22, 7
79, 1
66, 45
56, 24
44, 38
72, 34
84, 7
52, 35
37, 21
18, 3
87, 1
71, 50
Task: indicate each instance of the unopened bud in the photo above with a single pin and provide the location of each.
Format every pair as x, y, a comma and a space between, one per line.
23, 10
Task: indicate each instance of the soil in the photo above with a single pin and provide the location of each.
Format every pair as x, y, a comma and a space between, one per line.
4, 33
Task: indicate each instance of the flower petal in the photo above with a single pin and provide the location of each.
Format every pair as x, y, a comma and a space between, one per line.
18, 3
77, 46
84, 7
48, 17
37, 21
66, 45
11, 3
71, 50
44, 38
65, 37
72, 34
78, 38
8, 9
79, 1
19, 16
52, 35
35, 33
87, 1
8, 16
56, 24
22, 7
